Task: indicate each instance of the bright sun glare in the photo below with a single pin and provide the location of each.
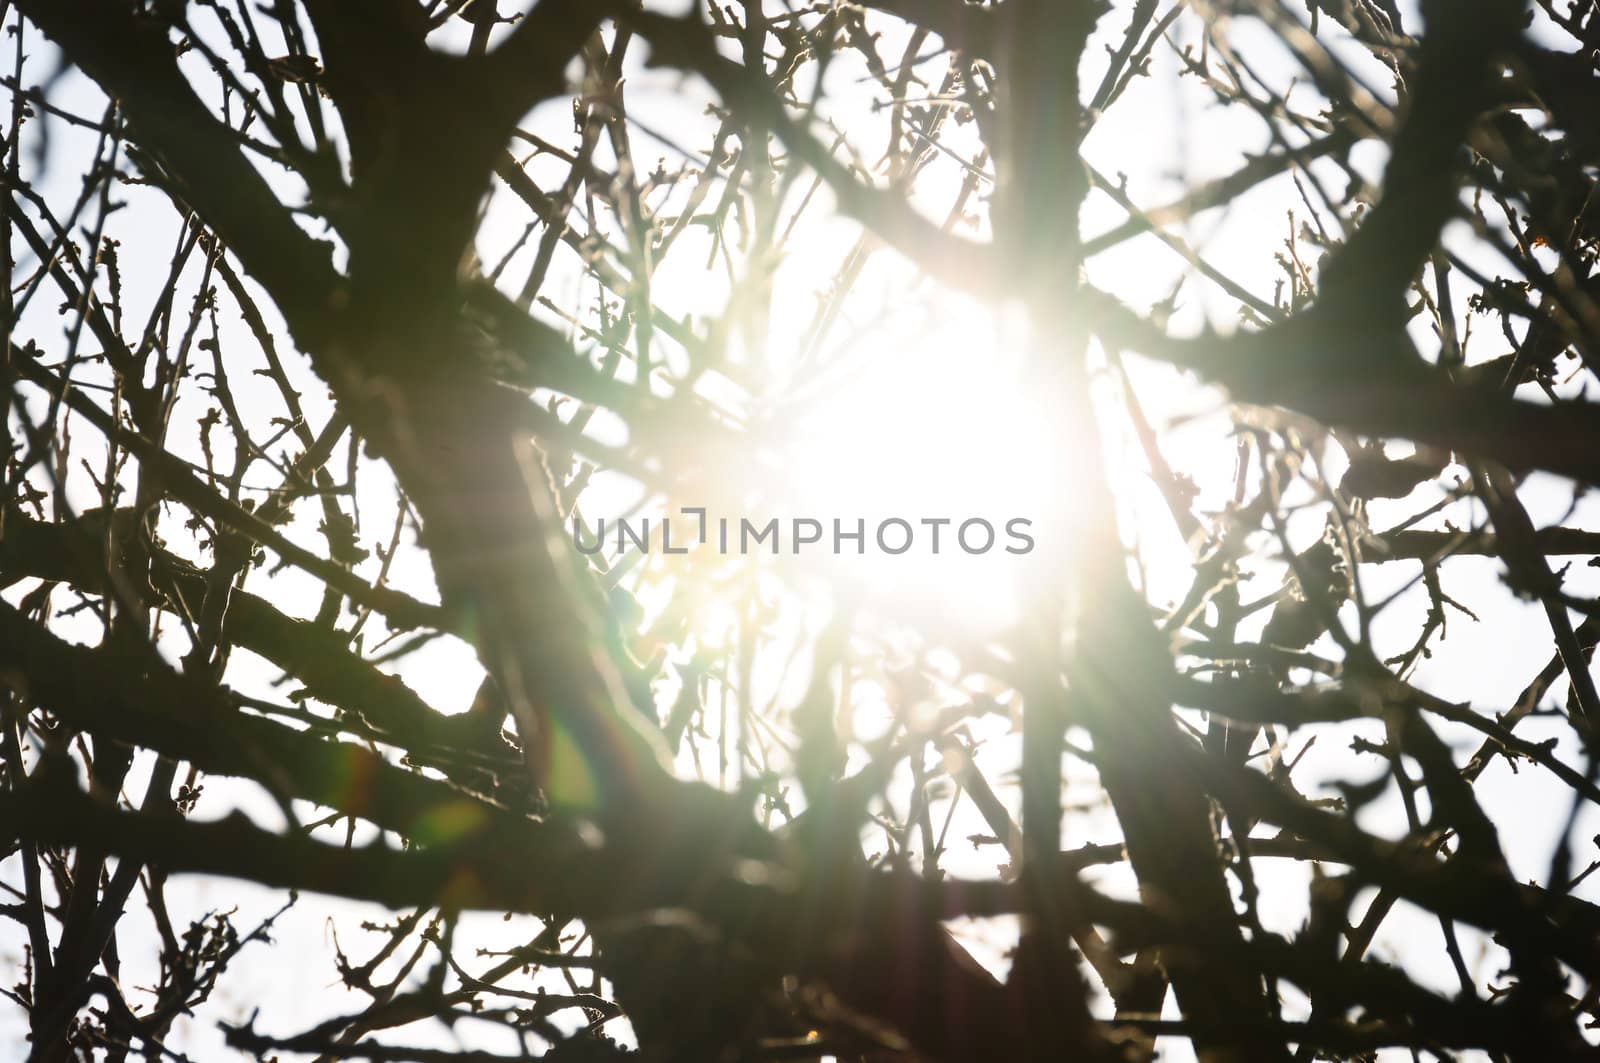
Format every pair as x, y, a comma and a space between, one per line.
928, 439
939, 429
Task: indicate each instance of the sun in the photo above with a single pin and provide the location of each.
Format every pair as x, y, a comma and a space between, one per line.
914, 475
933, 448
